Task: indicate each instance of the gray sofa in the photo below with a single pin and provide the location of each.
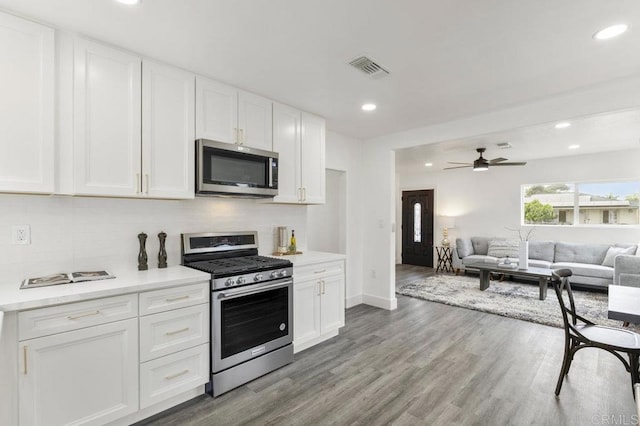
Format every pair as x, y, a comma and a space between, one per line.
593, 265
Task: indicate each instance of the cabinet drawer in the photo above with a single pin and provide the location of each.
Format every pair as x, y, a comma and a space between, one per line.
73, 316
318, 270
169, 332
152, 302
170, 375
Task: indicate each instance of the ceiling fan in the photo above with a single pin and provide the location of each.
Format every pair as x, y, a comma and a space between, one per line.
482, 164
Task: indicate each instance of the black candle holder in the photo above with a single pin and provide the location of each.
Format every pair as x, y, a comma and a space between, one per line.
162, 254
142, 254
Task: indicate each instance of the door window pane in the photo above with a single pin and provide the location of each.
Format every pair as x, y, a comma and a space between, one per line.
417, 223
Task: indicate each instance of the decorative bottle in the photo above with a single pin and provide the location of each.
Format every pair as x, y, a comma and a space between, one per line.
162, 254
142, 255
292, 244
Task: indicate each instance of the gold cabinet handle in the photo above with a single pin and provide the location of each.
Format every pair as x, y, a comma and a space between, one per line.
320, 271
235, 135
304, 194
175, 299
24, 358
323, 288
173, 376
319, 288
182, 330
147, 186
85, 314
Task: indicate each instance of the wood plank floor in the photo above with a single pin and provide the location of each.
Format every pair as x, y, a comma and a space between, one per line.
426, 364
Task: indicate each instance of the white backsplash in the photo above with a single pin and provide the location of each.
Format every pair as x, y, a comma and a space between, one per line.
81, 233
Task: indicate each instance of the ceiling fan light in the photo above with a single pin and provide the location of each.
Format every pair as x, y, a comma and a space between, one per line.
480, 166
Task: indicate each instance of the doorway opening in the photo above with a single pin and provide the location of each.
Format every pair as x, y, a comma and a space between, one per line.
417, 227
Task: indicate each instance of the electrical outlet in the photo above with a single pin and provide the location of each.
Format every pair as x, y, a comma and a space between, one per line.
21, 234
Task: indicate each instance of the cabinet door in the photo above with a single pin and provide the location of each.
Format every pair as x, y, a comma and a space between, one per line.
313, 159
168, 131
255, 121
87, 376
216, 111
306, 311
286, 142
26, 106
332, 306
107, 120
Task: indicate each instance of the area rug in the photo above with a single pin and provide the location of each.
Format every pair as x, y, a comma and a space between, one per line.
507, 298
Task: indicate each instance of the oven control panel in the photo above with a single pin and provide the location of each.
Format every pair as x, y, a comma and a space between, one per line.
251, 278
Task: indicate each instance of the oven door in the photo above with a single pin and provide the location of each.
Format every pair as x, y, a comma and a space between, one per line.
250, 321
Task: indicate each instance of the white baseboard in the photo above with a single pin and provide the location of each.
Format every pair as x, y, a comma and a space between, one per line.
380, 302
352, 301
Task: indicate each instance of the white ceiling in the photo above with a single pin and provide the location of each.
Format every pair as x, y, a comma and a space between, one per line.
448, 59
604, 132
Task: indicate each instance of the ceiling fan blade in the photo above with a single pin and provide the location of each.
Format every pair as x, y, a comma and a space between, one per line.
497, 160
455, 162
522, 163
458, 167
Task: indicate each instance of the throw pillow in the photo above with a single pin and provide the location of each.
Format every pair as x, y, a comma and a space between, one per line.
615, 251
464, 247
503, 248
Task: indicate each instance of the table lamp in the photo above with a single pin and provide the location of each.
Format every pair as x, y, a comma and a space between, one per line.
447, 222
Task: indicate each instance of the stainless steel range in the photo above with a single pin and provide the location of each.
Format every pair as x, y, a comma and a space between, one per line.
251, 306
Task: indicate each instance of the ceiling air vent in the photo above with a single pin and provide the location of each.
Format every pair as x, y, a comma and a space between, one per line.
504, 145
369, 67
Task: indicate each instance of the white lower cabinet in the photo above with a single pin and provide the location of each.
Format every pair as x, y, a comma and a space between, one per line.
82, 377
174, 342
115, 359
318, 303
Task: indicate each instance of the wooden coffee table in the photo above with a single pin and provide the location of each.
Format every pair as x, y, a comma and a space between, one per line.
543, 274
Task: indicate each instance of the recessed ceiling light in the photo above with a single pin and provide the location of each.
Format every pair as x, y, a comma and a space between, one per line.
611, 32
576, 146
368, 107
562, 125
428, 164
129, 2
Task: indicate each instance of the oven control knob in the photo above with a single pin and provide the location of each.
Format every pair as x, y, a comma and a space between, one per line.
258, 277
274, 274
229, 282
241, 280
283, 273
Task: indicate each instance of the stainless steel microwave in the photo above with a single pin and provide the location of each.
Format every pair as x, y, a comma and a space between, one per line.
235, 170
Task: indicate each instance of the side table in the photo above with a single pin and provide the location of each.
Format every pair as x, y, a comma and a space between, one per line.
445, 259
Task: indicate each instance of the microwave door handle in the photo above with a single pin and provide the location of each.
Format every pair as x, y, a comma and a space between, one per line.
270, 172
232, 295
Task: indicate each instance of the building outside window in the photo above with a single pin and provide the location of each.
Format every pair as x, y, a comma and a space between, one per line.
598, 203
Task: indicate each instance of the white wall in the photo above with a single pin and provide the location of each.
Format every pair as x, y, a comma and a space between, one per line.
326, 223
75, 233
346, 154
379, 241
485, 203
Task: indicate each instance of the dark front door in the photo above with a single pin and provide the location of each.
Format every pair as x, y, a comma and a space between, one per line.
417, 228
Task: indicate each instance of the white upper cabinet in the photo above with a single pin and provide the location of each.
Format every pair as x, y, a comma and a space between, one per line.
107, 120
26, 106
133, 130
286, 142
313, 159
255, 121
168, 134
299, 138
226, 114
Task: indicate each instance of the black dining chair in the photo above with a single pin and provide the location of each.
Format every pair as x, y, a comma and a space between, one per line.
580, 333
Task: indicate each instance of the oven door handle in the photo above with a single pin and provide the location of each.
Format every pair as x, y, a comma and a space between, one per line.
234, 294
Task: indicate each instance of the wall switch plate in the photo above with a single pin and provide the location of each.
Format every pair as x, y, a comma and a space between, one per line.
21, 234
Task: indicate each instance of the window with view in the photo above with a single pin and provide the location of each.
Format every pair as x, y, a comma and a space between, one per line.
598, 203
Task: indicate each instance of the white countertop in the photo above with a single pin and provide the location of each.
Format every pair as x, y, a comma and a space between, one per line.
14, 299
312, 257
